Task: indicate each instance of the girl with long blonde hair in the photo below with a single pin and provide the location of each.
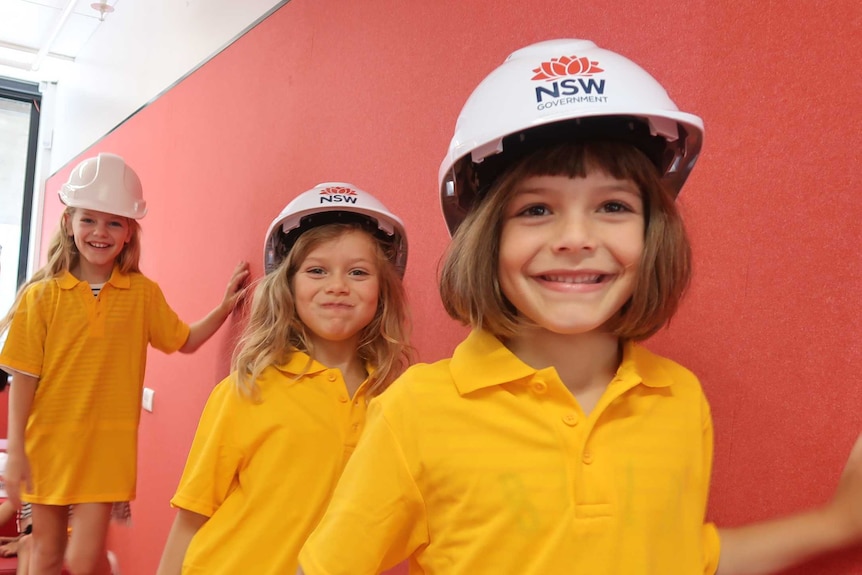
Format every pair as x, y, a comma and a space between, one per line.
79, 330
327, 332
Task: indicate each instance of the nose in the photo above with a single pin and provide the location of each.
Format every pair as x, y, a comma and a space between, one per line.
574, 232
336, 284
100, 229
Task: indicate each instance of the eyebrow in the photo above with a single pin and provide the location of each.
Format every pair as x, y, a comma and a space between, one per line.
318, 259
112, 217
539, 189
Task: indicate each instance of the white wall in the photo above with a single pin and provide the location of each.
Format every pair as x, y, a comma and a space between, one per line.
147, 46
139, 52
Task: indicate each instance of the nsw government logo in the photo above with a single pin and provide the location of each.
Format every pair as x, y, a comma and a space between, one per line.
338, 195
568, 80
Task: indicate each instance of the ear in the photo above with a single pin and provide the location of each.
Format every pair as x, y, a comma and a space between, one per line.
129, 224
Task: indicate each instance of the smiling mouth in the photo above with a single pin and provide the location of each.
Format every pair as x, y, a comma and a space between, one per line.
579, 279
98, 245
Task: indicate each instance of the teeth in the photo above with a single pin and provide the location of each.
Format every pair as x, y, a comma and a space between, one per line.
95, 245
575, 280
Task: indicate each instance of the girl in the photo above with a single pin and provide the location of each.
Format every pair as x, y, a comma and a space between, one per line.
77, 347
327, 332
552, 442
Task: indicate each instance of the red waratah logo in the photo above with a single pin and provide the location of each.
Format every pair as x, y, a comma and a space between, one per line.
337, 190
566, 66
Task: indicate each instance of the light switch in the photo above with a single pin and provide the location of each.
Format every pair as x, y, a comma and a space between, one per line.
147, 401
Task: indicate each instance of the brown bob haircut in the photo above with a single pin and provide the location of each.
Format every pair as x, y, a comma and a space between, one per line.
470, 288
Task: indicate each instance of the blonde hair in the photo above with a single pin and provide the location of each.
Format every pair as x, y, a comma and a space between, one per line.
470, 288
275, 331
63, 256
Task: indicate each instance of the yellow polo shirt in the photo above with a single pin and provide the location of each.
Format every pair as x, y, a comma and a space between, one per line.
264, 472
480, 464
89, 354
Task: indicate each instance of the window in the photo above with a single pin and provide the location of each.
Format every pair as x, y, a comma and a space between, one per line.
19, 128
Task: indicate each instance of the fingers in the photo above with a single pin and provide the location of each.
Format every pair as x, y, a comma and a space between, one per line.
856, 452
241, 269
240, 274
854, 460
235, 289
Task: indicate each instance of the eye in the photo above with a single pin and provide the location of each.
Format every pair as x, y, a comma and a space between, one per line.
116, 224
315, 271
615, 206
357, 272
87, 220
534, 210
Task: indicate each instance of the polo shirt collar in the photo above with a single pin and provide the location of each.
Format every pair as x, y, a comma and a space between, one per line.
642, 366
118, 279
298, 363
482, 361
67, 281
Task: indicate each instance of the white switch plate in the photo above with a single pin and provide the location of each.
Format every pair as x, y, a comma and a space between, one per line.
147, 401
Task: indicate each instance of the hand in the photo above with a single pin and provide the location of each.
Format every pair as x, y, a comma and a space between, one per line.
17, 473
846, 504
202, 330
235, 287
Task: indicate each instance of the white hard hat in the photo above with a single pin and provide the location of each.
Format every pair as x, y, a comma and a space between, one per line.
555, 91
332, 202
105, 184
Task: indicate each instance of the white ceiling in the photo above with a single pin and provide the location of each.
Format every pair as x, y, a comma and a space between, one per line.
40, 38
95, 75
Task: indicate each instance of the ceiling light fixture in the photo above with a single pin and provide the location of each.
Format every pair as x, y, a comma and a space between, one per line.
102, 8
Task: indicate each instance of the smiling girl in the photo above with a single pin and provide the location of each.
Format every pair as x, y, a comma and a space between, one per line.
77, 346
328, 332
552, 441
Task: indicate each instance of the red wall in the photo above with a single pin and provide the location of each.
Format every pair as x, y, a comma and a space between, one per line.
368, 92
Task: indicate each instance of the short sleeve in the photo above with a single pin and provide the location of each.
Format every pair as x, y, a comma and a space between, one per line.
167, 332
376, 518
711, 548
24, 350
211, 470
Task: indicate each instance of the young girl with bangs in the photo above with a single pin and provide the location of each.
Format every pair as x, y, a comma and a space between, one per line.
551, 441
78, 336
327, 332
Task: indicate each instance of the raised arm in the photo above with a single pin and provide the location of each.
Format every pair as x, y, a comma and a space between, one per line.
771, 546
204, 329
